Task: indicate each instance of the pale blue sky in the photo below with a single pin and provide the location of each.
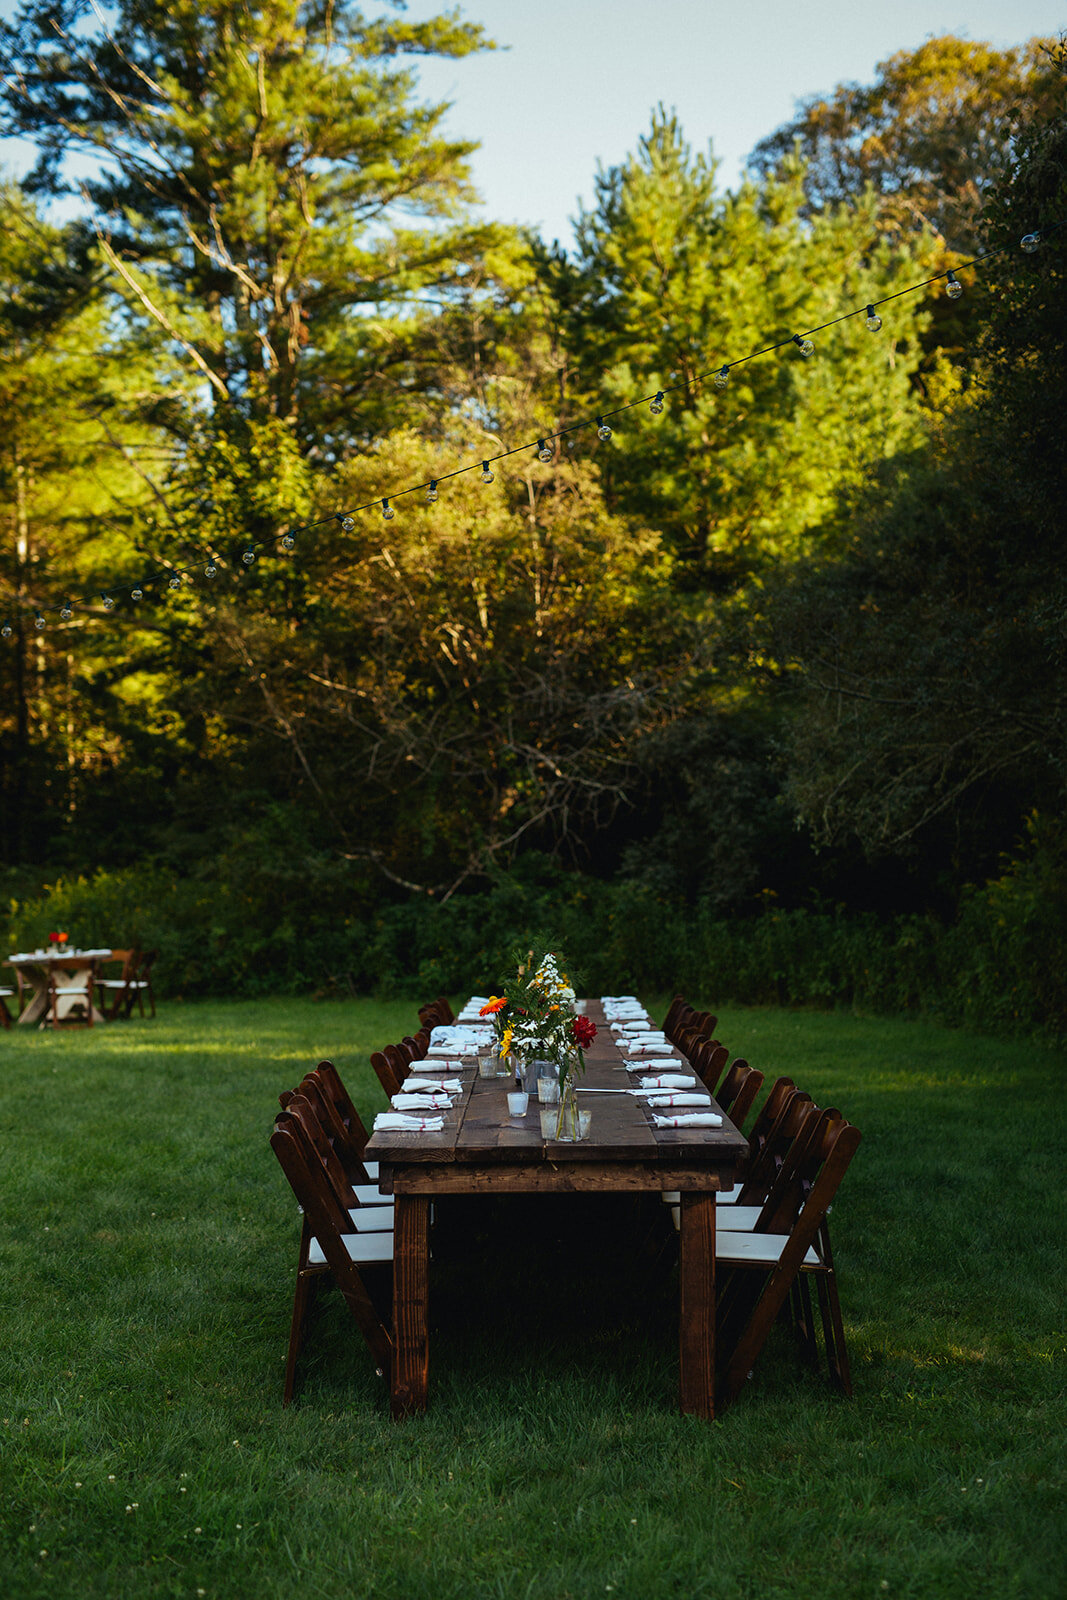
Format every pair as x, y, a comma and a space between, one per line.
579, 78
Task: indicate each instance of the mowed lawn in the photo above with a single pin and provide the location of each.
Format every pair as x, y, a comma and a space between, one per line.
149, 1242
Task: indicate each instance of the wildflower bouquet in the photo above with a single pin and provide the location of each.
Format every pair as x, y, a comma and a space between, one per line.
535, 1016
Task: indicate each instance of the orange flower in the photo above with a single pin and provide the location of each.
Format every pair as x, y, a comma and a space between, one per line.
493, 1005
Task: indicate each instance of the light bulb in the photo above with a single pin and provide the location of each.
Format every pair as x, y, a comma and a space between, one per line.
247, 557
175, 582
387, 511
805, 346
109, 604
874, 321
431, 493
5, 631
953, 288
487, 476
210, 570
66, 611
288, 542
544, 451
721, 379
136, 594
602, 429
38, 622
656, 405
347, 523
1030, 242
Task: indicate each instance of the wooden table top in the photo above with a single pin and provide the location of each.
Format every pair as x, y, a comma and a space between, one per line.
479, 1131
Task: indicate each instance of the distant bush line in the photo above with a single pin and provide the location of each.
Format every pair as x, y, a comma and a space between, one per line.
1001, 966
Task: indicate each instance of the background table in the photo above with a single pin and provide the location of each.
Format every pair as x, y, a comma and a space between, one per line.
482, 1152
37, 965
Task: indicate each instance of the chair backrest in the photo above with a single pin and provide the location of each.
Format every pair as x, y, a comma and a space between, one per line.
341, 1101
327, 1221
302, 1109
390, 1073
708, 1061
775, 1143
346, 1145
738, 1090
674, 1013
437, 1013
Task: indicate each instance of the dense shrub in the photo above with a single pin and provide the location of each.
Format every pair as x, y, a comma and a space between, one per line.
300, 926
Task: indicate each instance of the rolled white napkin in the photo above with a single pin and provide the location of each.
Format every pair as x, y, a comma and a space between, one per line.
676, 1097
458, 1048
421, 1102
689, 1119
433, 1085
643, 1026
476, 1002
638, 1047
669, 1080
397, 1122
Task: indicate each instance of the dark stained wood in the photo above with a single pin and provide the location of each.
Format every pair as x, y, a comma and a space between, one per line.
411, 1293
696, 1305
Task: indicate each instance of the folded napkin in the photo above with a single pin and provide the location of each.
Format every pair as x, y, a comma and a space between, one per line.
421, 1102
643, 1026
677, 1097
397, 1122
433, 1085
689, 1119
669, 1080
470, 1033
654, 1047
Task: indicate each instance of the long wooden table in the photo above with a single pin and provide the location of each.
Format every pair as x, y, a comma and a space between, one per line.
482, 1152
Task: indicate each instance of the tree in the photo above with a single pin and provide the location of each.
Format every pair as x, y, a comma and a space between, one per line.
928, 137
74, 451
259, 167
930, 660
672, 282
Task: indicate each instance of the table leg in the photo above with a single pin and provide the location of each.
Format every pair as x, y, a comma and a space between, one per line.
411, 1283
696, 1311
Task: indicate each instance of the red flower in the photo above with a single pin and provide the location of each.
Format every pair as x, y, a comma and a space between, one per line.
497, 1003
53, 938
584, 1032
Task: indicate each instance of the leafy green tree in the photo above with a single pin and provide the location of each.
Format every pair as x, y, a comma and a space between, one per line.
75, 451
927, 138
264, 177
673, 282
931, 658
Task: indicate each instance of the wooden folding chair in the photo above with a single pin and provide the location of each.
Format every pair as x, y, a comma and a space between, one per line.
329, 1080
117, 992
327, 1244
761, 1268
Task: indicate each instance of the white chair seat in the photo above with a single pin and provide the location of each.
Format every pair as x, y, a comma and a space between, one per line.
372, 1219
671, 1197
363, 1248
371, 1168
368, 1194
756, 1249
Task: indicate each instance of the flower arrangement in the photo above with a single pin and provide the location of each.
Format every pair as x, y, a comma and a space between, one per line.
535, 1016
58, 941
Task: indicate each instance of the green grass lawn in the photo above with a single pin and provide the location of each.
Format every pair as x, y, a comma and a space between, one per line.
148, 1246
